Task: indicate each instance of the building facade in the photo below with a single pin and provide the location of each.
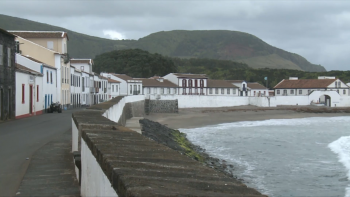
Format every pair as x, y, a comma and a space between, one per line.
189, 84
7, 75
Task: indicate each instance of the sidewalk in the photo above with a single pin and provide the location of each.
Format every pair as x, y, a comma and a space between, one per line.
51, 171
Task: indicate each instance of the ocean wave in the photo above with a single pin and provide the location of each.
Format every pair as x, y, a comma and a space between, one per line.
342, 148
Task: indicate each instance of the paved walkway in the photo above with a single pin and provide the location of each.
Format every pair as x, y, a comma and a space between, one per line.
133, 124
51, 170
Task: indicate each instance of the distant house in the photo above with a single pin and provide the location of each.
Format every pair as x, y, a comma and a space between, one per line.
87, 85
49, 47
256, 89
49, 85
128, 85
113, 88
158, 86
302, 87
7, 75
222, 87
189, 84
29, 91
242, 85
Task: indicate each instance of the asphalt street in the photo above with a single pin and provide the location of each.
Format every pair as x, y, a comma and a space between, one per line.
20, 139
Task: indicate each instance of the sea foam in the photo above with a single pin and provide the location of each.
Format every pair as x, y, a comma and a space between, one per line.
342, 148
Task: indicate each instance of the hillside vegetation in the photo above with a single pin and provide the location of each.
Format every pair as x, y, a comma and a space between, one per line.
213, 44
139, 63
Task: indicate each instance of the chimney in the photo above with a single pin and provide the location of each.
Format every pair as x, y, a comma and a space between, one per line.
293, 78
160, 79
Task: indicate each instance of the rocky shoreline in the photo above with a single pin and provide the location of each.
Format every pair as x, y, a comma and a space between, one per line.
176, 140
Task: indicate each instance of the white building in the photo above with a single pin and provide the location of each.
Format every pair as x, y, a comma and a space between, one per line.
128, 85
87, 89
76, 87
242, 85
256, 89
158, 86
29, 91
50, 85
189, 84
222, 87
113, 89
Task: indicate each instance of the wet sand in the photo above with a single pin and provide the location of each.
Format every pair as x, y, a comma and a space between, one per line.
199, 117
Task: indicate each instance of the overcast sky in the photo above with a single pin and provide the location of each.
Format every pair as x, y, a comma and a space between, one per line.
317, 30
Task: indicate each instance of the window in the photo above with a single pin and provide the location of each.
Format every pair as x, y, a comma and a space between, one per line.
1, 55
51, 77
284, 92
9, 57
196, 83
222, 91
130, 89
234, 91
278, 91
291, 91
201, 83
99, 84
112, 88
175, 91
184, 83
300, 91
190, 83
336, 84
216, 90
23, 93
228, 90
116, 88
254, 93
47, 76
344, 92
339, 84
50, 45
168, 90
162, 91
210, 90
37, 93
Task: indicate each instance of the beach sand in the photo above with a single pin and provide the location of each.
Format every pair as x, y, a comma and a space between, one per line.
200, 117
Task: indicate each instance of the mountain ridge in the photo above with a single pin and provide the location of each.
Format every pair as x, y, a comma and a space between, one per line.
213, 44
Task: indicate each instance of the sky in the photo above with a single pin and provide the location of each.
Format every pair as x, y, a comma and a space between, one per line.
318, 30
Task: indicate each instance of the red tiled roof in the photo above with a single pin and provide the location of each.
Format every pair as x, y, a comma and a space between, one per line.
156, 83
23, 68
40, 34
192, 76
113, 81
220, 84
123, 76
235, 81
255, 85
304, 83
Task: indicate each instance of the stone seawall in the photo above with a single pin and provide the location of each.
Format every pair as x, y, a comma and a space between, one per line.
164, 106
116, 161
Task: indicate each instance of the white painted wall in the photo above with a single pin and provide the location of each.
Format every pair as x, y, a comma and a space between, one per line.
218, 91
37, 105
93, 181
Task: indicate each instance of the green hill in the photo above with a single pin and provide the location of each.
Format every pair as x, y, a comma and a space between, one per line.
213, 44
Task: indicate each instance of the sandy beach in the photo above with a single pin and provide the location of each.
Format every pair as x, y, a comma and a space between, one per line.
199, 117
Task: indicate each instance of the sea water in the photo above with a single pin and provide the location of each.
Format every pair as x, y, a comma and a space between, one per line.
284, 157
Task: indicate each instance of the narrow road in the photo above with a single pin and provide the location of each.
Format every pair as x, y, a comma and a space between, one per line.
19, 139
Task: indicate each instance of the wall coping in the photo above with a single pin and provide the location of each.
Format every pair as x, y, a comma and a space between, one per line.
138, 166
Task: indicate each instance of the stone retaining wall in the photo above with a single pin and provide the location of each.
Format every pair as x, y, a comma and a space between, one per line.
164, 106
116, 161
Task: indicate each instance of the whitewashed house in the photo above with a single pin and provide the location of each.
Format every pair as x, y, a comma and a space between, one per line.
324, 86
222, 87
189, 84
128, 85
49, 86
113, 89
76, 87
158, 86
242, 85
294, 86
29, 91
49, 47
256, 89
87, 88
103, 88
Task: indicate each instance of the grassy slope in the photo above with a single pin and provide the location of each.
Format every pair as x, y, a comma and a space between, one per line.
215, 44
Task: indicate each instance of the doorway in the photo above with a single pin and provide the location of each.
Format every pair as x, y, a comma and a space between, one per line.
30, 99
